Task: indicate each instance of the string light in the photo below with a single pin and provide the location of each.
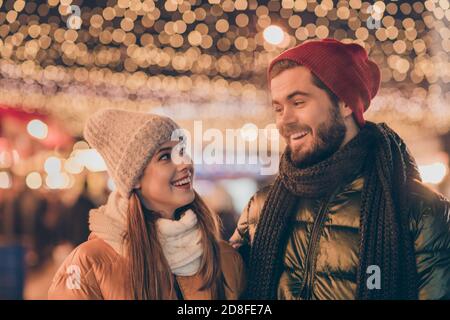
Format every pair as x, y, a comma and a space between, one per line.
33, 180
52, 165
234, 41
5, 180
433, 173
37, 129
274, 35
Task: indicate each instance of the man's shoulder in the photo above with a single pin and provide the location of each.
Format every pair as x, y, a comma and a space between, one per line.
429, 212
420, 193
256, 202
261, 194
249, 217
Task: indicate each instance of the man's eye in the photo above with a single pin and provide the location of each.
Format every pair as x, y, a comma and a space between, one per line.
165, 156
298, 102
277, 108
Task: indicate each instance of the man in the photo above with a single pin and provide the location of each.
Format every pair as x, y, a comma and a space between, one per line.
347, 216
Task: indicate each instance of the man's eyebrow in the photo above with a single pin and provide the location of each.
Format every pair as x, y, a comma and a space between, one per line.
297, 92
165, 149
293, 94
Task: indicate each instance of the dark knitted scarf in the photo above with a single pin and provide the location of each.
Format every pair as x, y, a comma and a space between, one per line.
380, 154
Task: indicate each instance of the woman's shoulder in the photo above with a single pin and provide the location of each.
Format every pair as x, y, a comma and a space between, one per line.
95, 251
78, 275
89, 257
230, 257
227, 250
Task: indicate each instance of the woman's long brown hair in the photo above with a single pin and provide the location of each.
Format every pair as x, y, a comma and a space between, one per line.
150, 277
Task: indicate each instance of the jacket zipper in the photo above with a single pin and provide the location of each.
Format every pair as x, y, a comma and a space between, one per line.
306, 290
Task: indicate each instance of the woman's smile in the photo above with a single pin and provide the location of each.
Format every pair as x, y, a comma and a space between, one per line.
184, 183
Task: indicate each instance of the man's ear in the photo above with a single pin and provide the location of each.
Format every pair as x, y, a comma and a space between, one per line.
344, 109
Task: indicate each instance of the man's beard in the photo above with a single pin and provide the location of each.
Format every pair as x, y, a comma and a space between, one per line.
328, 139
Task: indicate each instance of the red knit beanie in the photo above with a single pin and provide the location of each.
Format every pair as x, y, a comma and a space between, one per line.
344, 68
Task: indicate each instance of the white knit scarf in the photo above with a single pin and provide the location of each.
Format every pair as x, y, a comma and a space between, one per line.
180, 239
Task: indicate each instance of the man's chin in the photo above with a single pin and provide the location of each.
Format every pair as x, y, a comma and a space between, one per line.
304, 158
298, 156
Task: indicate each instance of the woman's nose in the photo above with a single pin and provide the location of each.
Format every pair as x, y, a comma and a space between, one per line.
185, 162
186, 168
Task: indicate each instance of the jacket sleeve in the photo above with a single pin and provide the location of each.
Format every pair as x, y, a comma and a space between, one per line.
75, 280
242, 237
432, 247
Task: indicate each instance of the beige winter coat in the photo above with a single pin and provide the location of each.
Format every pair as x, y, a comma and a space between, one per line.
102, 275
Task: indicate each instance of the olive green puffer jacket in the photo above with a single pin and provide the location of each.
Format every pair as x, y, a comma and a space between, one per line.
322, 251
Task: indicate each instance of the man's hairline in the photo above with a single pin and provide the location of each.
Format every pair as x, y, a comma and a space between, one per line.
314, 78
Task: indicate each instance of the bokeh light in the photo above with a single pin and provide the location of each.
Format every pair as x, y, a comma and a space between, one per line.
274, 35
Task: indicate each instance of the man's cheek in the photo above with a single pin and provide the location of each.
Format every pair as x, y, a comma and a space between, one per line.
278, 126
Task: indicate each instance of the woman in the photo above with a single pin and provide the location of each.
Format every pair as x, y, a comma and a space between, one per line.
155, 238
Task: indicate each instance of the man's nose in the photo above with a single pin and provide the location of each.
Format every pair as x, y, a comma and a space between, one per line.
287, 117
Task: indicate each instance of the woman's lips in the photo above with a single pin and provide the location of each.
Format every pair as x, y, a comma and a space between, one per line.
184, 187
183, 183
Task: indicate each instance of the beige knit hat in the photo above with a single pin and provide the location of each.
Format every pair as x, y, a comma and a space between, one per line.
127, 140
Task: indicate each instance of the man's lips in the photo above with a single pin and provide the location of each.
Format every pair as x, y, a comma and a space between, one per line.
295, 137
